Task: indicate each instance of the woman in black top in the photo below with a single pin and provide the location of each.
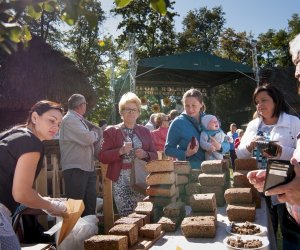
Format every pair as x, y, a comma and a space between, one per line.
21, 156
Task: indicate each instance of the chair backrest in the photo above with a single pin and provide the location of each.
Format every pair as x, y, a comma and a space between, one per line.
108, 209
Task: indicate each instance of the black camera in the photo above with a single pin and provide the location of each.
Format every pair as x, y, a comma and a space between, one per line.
269, 147
278, 172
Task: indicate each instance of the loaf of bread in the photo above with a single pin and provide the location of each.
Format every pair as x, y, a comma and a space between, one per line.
242, 213
198, 227
238, 196
212, 179
182, 179
144, 207
159, 166
217, 190
161, 190
203, 202
130, 230
169, 224
145, 217
151, 231
194, 175
160, 178
245, 164
256, 197
175, 209
106, 242
213, 215
240, 179
212, 167
130, 220
193, 188
182, 167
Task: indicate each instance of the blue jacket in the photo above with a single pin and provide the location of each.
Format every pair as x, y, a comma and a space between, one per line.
180, 133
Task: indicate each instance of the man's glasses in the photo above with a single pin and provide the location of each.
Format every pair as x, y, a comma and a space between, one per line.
129, 111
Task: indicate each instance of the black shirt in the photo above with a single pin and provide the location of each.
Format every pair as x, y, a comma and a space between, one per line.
13, 145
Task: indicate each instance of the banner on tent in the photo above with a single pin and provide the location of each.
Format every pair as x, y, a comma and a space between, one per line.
165, 91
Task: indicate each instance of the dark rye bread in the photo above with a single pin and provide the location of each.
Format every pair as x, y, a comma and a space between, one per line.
175, 209
240, 179
241, 213
182, 179
144, 207
159, 166
106, 242
169, 224
218, 190
130, 230
194, 175
151, 231
238, 196
160, 178
193, 188
130, 220
212, 167
203, 202
245, 164
214, 214
212, 179
145, 217
161, 190
182, 167
199, 227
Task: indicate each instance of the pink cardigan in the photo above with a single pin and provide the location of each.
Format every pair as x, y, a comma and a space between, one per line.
113, 141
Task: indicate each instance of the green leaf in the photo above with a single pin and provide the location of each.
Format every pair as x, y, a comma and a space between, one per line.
159, 5
33, 13
48, 6
91, 18
122, 3
66, 18
26, 33
15, 34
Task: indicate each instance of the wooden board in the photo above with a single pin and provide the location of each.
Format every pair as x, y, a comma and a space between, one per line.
146, 243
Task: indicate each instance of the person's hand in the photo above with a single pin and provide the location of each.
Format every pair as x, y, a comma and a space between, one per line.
257, 178
215, 143
289, 192
140, 153
126, 148
189, 152
57, 207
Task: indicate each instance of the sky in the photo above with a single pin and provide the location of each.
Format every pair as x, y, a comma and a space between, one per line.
256, 16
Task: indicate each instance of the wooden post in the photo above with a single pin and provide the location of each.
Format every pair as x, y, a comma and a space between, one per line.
108, 209
55, 177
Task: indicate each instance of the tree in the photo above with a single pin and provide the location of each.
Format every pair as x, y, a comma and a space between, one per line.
201, 30
154, 33
92, 56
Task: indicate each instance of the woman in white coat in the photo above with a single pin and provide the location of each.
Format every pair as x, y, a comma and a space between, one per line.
273, 123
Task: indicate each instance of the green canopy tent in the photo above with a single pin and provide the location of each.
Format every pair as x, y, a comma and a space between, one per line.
168, 75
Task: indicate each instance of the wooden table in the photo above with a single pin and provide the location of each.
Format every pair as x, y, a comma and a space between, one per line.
172, 240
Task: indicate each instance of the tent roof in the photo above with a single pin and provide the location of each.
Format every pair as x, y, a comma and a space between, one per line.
199, 69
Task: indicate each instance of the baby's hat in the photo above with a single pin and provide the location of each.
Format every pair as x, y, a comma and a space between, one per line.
206, 119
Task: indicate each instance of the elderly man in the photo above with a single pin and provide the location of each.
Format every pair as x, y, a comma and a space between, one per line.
77, 154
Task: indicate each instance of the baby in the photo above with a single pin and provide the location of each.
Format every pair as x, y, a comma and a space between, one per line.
211, 136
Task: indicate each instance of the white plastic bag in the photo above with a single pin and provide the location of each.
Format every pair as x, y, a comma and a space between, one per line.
85, 227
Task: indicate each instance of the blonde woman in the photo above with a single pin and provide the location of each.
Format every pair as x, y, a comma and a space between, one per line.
123, 143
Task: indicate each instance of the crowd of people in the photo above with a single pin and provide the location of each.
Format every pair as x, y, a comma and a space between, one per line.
191, 135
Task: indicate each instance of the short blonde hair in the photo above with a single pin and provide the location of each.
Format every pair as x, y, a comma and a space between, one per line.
295, 48
159, 118
129, 97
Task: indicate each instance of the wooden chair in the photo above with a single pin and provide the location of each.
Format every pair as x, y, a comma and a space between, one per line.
108, 209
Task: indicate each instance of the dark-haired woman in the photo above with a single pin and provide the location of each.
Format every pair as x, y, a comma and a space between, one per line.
21, 157
273, 123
